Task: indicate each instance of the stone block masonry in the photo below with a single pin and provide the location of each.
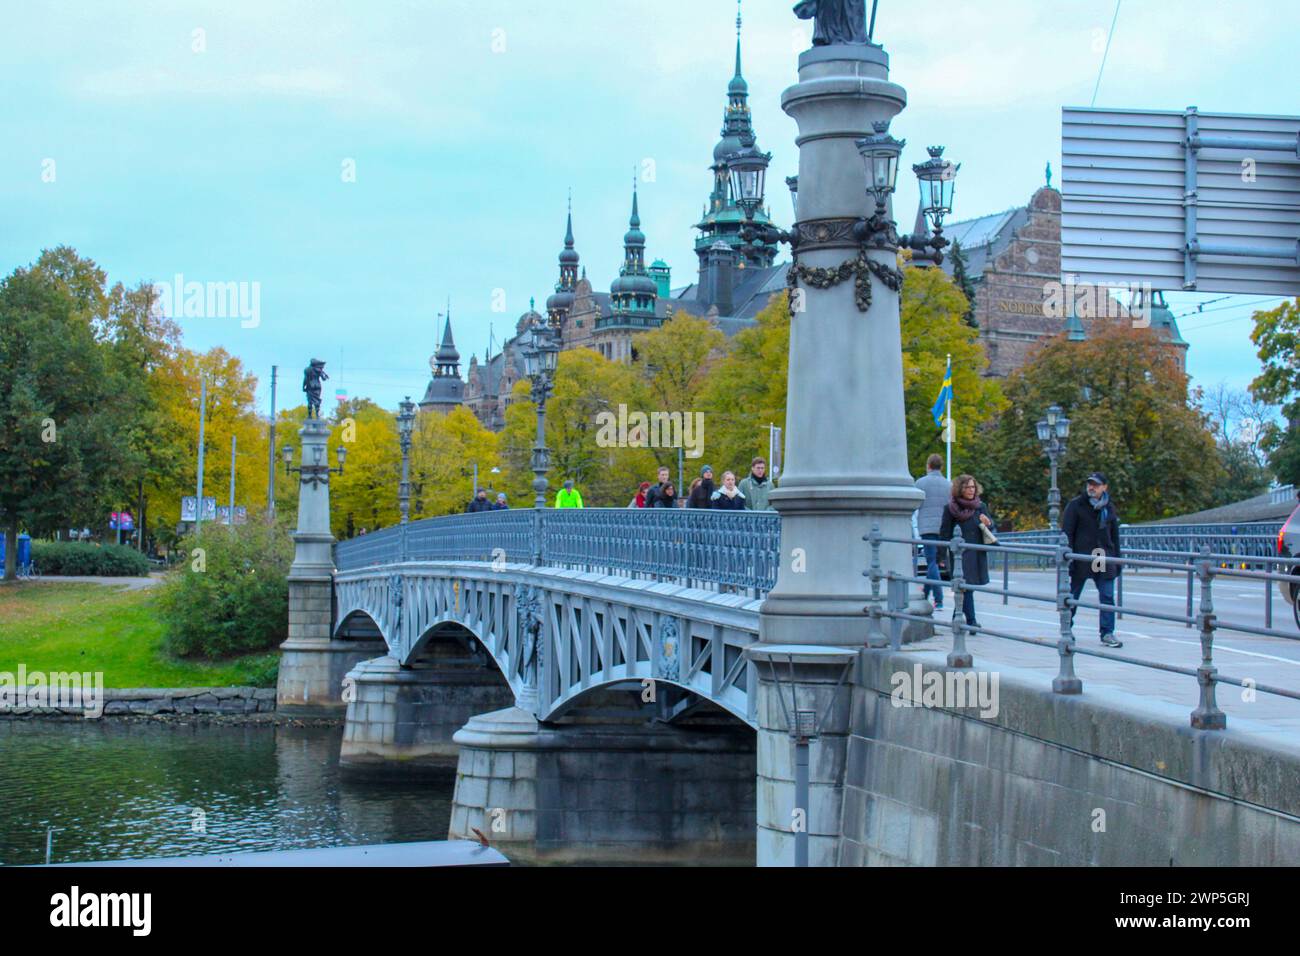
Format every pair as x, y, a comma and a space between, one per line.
1056, 780
177, 701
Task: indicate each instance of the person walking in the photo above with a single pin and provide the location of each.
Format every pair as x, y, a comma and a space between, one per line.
965, 510
666, 496
701, 489
568, 496
639, 499
500, 504
755, 486
479, 503
728, 497
929, 519
1091, 525
664, 474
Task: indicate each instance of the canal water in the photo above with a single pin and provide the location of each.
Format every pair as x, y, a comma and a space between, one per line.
125, 790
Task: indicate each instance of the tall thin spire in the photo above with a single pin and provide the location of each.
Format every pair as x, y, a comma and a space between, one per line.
737, 37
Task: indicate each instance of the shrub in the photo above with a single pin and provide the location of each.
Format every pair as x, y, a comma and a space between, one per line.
259, 670
74, 557
231, 595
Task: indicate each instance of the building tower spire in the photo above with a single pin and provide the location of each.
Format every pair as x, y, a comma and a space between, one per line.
446, 389
559, 304
634, 291
722, 218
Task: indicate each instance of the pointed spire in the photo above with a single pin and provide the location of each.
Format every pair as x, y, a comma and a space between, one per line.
568, 229
737, 37
447, 358
636, 216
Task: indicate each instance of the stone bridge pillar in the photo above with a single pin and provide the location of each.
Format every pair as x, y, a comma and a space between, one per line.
845, 380
312, 666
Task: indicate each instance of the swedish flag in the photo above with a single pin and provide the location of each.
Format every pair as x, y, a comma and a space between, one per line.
945, 396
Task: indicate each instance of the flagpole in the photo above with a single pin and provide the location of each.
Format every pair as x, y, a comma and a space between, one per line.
949, 435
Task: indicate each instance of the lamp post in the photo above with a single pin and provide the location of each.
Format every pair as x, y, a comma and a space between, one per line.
405, 425
1053, 430
541, 353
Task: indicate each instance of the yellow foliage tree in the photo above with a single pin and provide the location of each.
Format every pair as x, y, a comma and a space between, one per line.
444, 450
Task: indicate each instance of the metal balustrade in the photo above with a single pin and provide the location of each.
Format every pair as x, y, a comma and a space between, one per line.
714, 550
1205, 565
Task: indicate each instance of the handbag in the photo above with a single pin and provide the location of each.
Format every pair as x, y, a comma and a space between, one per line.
987, 533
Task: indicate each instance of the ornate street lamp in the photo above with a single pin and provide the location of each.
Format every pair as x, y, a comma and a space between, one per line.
316, 472
541, 355
937, 178
880, 152
405, 425
1053, 430
748, 169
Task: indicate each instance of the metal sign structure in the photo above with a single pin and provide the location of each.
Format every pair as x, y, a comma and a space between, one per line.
1203, 202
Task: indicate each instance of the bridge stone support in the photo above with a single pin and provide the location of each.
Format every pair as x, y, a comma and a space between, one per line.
606, 793
845, 353
402, 719
311, 665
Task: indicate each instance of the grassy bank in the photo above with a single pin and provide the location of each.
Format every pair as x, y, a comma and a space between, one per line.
96, 627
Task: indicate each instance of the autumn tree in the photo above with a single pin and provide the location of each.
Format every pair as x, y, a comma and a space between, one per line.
933, 327
1126, 396
444, 450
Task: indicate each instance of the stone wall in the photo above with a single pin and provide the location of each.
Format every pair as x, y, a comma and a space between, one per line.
148, 702
1057, 780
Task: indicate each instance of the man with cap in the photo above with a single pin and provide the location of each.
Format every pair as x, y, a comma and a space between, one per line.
1091, 524
702, 493
568, 496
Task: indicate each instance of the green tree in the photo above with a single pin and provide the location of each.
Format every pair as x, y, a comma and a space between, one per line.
1277, 334
444, 450
58, 418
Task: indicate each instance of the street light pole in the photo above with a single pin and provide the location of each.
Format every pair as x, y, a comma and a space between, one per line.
1053, 429
405, 425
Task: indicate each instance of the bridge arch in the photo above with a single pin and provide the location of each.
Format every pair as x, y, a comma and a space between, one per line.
557, 635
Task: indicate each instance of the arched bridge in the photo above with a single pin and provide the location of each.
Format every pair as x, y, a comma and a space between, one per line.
568, 601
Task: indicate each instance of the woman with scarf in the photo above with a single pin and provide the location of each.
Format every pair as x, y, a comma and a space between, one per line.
728, 497
966, 511
666, 497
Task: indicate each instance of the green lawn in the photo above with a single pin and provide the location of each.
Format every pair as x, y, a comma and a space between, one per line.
98, 627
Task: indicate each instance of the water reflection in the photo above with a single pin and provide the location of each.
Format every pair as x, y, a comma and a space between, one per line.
123, 790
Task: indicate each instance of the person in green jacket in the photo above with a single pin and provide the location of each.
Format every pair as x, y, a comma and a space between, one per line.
756, 487
568, 496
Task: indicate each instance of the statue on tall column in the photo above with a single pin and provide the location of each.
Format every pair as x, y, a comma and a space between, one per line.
312, 376
835, 21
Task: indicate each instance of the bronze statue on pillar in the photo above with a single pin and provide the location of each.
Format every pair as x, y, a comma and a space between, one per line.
837, 21
312, 376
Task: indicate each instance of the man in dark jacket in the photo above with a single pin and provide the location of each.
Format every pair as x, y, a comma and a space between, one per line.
479, 503
1091, 525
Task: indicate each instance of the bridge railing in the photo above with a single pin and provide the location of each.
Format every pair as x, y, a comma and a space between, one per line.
733, 551
889, 601
1245, 540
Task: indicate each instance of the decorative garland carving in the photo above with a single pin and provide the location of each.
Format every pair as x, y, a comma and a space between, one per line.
860, 268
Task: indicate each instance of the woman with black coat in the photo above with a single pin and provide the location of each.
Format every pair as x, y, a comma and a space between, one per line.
666, 496
966, 511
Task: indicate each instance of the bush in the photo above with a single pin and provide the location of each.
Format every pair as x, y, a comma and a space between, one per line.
73, 557
259, 670
231, 595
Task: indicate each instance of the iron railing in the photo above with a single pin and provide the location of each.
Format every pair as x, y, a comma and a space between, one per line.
715, 550
889, 601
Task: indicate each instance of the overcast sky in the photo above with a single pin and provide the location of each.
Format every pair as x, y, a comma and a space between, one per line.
364, 161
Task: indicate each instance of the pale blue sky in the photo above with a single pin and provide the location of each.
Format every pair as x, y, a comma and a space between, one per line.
468, 121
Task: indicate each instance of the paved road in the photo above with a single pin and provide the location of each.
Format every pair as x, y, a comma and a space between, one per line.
1266, 660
